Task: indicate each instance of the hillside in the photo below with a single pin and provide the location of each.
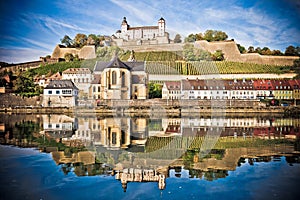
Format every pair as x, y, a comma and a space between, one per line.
171, 63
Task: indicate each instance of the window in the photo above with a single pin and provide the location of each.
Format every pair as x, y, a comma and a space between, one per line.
123, 79
66, 91
114, 78
57, 92
49, 91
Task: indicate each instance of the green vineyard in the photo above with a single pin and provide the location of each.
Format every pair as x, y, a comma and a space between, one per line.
210, 67
185, 143
154, 56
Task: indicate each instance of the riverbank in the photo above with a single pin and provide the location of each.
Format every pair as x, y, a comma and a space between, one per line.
158, 111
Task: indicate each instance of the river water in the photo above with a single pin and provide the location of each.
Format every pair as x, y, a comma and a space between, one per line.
95, 157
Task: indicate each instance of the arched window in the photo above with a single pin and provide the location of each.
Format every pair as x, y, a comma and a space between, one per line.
123, 79
113, 78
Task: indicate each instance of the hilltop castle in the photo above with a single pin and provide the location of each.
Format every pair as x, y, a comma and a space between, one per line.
141, 35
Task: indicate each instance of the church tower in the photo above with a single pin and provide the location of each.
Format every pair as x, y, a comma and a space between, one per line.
124, 26
161, 27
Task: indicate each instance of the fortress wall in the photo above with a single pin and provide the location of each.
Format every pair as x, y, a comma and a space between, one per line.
86, 52
270, 60
231, 53
157, 47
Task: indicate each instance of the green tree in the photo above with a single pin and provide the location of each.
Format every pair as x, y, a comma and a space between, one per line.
25, 85
80, 40
199, 36
188, 52
218, 55
177, 38
214, 35
155, 90
67, 41
241, 48
220, 36
258, 50
291, 51
190, 38
296, 64
251, 49
68, 57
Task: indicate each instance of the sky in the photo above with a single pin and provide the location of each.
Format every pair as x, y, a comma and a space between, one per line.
32, 28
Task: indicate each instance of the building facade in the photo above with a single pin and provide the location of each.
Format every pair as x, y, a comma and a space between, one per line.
231, 89
120, 80
155, 34
81, 77
60, 93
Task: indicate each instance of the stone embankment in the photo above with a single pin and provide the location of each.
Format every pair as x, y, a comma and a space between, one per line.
149, 108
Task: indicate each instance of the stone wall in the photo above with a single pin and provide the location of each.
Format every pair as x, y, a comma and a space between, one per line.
86, 52
12, 100
231, 53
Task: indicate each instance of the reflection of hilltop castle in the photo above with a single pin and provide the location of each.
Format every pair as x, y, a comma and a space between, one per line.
140, 175
142, 35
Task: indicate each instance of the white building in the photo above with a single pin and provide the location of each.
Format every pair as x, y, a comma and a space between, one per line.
81, 77
171, 90
60, 93
241, 89
209, 89
155, 34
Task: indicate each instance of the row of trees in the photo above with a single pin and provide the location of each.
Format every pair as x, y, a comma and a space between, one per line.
290, 51
209, 35
81, 39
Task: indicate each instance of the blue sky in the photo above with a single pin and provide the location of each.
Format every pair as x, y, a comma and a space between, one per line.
32, 28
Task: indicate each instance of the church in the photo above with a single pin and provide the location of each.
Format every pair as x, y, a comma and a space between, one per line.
142, 35
119, 80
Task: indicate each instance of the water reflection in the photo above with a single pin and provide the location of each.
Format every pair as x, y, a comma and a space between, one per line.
151, 150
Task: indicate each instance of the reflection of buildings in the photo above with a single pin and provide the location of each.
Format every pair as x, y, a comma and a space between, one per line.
59, 126
231, 127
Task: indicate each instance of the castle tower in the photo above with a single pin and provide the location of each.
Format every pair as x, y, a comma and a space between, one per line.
124, 26
161, 27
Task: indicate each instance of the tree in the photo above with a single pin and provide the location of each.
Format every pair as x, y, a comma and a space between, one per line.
241, 48
220, 36
296, 64
68, 57
266, 51
199, 36
277, 53
190, 38
290, 51
250, 49
67, 41
155, 90
218, 56
190, 53
25, 85
80, 40
177, 38
214, 35
258, 50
